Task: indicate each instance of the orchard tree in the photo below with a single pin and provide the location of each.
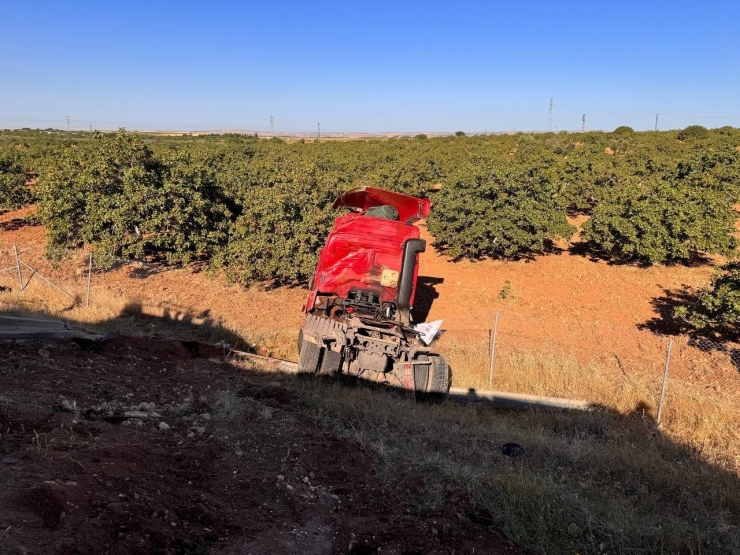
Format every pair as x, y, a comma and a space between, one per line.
693, 132
118, 196
497, 211
14, 192
281, 227
102, 195
716, 308
190, 215
654, 221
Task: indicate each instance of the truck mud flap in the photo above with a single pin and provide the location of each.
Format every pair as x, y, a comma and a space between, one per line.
331, 362
318, 360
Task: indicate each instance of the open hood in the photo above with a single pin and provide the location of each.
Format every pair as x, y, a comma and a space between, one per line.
409, 208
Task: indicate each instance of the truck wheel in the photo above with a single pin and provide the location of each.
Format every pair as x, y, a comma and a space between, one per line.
433, 378
310, 358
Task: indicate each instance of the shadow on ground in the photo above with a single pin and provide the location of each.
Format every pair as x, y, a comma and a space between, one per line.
17, 223
709, 340
593, 252
265, 469
133, 321
426, 293
665, 323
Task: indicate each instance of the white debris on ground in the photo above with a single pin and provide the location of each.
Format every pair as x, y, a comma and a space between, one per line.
428, 331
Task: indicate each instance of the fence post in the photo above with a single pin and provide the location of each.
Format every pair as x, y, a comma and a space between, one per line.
493, 351
665, 380
18, 265
89, 277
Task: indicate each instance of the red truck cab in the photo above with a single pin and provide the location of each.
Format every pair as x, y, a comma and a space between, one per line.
361, 266
358, 313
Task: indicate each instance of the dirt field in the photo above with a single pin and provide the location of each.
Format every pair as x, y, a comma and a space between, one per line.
212, 458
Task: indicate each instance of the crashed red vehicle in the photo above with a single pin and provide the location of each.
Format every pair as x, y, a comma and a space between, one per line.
358, 314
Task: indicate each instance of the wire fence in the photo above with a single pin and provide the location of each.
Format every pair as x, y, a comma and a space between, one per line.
554, 351
625, 347
22, 263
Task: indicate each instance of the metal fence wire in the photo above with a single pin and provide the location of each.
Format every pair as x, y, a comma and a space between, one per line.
23, 263
729, 349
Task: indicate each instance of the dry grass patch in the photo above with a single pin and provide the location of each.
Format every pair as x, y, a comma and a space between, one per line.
598, 482
142, 316
706, 420
121, 314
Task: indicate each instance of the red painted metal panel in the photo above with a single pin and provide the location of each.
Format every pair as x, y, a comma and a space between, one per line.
360, 247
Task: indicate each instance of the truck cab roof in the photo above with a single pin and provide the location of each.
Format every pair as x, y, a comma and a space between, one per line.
410, 209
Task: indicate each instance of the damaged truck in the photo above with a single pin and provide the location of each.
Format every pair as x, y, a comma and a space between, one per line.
359, 311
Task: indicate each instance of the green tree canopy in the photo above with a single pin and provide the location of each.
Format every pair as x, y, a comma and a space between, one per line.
14, 192
717, 307
497, 211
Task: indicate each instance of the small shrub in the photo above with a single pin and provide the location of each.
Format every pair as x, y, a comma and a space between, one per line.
228, 406
505, 290
693, 132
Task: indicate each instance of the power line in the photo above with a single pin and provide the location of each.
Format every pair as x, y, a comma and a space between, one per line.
656, 121
583, 123
272, 124
549, 118
67, 117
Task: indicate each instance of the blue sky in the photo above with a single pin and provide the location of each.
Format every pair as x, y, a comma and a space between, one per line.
369, 66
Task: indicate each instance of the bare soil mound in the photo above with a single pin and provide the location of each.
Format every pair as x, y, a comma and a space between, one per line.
141, 446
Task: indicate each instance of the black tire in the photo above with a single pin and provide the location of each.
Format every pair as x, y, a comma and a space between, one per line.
310, 358
433, 378
331, 363
421, 374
